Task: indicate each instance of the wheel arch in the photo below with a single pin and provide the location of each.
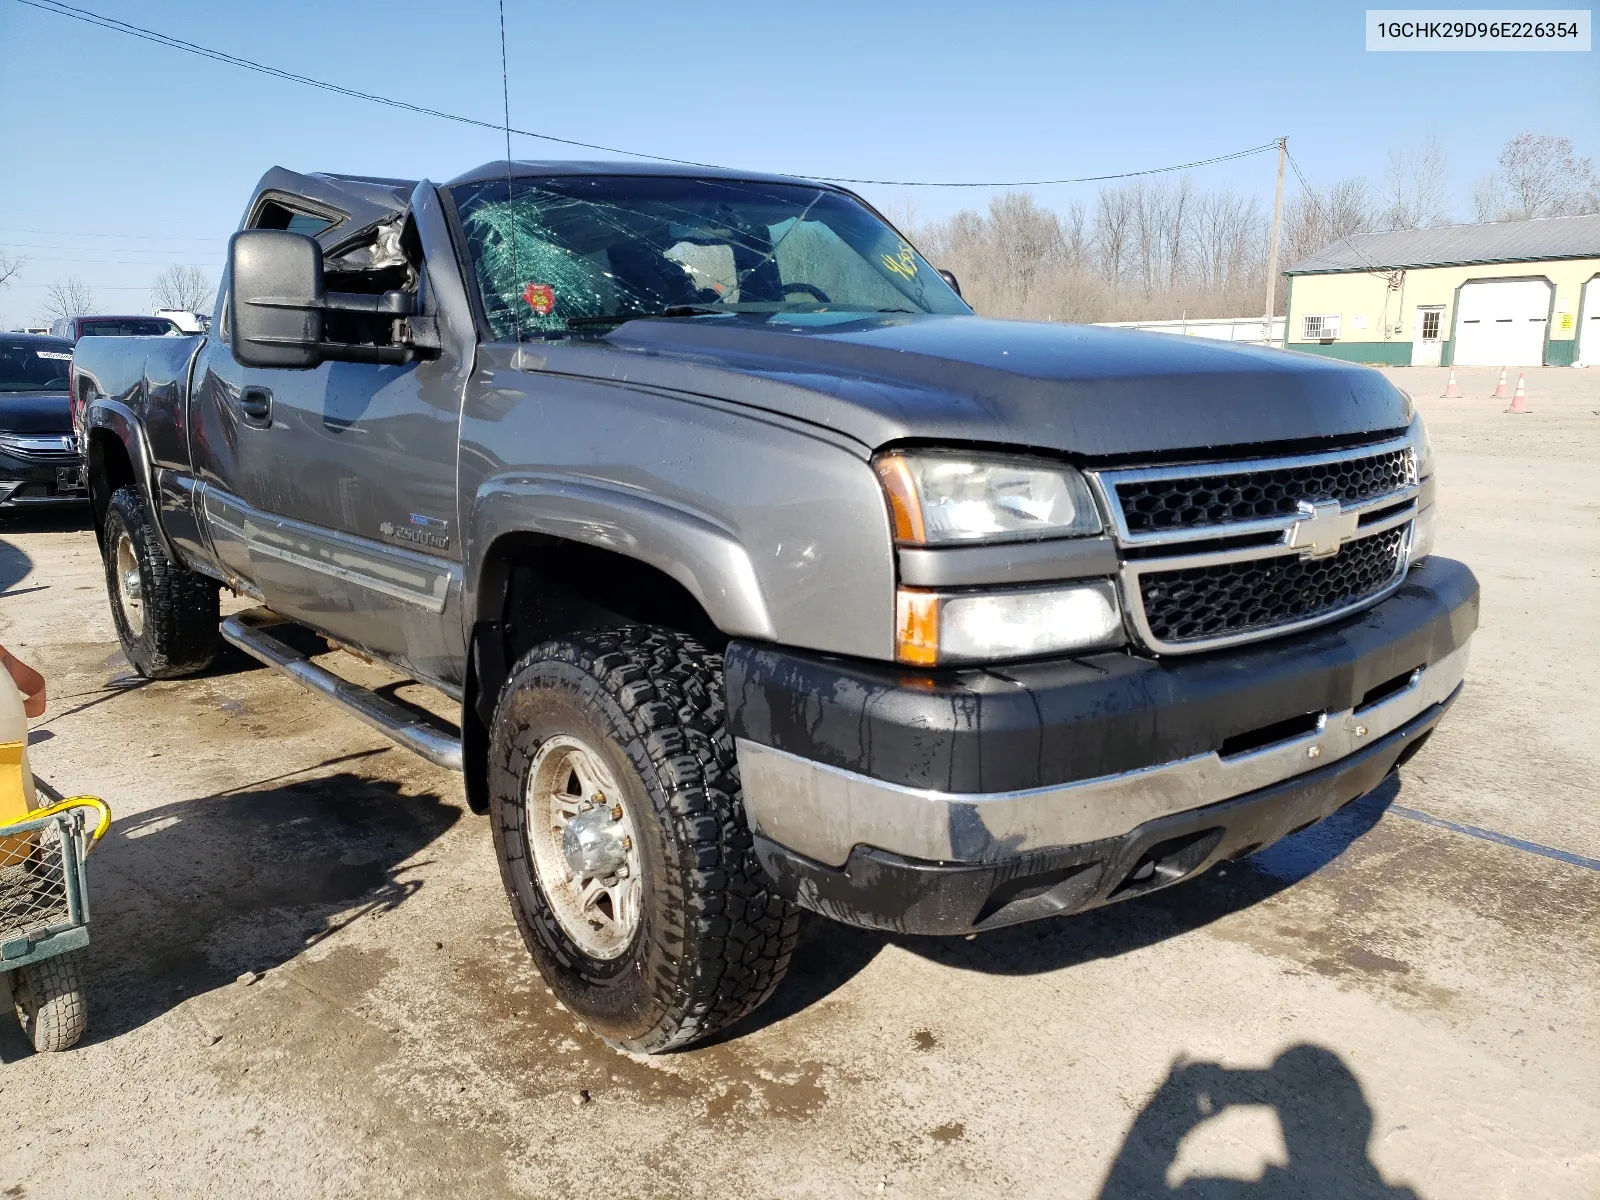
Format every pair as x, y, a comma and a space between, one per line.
117, 457
530, 586
533, 586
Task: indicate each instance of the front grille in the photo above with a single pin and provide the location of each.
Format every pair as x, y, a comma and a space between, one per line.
1197, 604
45, 449
1154, 505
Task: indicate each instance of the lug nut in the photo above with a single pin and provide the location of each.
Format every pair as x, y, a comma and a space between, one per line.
1313, 751
1361, 731
616, 812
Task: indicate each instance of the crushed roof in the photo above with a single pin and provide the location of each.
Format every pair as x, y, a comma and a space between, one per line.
1456, 245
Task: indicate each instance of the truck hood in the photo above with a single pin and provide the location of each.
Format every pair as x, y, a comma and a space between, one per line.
34, 412
1078, 389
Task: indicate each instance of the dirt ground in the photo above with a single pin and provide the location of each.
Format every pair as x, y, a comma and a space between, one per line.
1402, 1001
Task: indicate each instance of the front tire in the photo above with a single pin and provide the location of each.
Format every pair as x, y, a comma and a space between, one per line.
614, 800
167, 617
50, 1004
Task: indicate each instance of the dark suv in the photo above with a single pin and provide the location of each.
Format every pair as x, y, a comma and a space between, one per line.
39, 460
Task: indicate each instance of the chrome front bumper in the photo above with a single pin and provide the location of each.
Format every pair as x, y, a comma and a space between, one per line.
823, 812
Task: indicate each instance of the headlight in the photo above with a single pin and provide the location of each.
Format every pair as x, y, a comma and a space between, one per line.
939, 499
1419, 438
934, 628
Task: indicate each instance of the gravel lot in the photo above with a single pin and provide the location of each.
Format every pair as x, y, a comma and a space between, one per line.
1381, 1006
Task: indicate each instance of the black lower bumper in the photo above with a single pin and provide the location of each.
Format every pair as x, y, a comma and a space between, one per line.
879, 890
23, 484
847, 730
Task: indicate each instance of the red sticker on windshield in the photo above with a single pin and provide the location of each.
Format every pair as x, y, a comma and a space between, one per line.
541, 297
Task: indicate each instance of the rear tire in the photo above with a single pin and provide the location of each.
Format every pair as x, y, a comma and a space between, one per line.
50, 1004
167, 617
702, 939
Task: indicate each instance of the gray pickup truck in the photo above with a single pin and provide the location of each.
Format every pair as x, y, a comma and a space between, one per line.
765, 574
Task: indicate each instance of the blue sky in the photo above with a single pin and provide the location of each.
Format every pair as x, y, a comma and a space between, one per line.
122, 157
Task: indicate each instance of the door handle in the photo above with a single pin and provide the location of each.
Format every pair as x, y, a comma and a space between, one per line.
256, 405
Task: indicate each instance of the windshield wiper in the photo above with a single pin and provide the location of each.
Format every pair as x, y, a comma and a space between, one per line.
676, 310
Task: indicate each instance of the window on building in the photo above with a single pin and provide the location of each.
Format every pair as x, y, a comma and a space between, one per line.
1430, 325
1319, 328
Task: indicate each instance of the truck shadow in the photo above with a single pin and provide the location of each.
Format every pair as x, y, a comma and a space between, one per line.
188, 896
15, 562
831, 954
1321, 1110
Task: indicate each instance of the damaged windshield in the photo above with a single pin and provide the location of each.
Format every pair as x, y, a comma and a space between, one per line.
576, 253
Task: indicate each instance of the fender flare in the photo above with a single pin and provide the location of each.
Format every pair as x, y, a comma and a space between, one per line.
707, 559
121, 421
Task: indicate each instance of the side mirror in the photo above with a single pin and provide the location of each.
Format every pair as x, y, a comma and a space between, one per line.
278, 309
276, 302
950, 278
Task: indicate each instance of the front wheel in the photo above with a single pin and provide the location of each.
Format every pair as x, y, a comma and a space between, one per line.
614, 798
50, 1005
167, 617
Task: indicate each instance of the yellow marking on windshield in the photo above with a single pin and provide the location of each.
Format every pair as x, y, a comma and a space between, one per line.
903, 264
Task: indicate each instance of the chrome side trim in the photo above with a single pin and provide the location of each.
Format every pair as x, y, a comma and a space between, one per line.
249, 632
824, 812
404, 575
1106, 481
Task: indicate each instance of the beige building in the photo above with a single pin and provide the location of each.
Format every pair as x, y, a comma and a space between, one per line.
1512, 293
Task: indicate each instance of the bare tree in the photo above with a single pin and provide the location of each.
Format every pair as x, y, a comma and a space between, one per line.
1539, 176
69, 297
1416, 186
182, 287
1075, 235
1229, 238
1112, 228
1026, 237
1488, 198
1317, 218
9, 266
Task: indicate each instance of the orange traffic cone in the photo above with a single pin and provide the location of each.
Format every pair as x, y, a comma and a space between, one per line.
1500, 389
1451, 391
1519, 402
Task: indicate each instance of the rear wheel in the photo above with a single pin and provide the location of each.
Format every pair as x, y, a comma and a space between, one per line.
614, 797
49, 1002
167, 617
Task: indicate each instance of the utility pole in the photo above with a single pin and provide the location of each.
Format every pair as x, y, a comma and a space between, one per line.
1272, 253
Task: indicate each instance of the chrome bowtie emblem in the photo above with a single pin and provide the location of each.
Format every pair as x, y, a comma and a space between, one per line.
1322, 528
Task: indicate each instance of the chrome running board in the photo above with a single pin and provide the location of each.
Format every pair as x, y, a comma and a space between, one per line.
406, 726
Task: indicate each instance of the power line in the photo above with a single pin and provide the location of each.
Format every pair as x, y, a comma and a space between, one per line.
150, 237
1310, 194
1202, 162
32, 246
150, 35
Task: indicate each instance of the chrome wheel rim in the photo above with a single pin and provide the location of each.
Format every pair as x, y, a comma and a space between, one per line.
585, 850
130, 584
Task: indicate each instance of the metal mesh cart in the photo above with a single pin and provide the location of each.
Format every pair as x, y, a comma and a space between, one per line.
44, 917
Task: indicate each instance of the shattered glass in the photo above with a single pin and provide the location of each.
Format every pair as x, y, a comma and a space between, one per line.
558, 255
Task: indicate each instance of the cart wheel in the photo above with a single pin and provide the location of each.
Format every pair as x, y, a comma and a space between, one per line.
50, 1004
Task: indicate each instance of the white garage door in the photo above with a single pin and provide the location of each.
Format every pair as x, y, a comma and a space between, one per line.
1589, 332
1502, 324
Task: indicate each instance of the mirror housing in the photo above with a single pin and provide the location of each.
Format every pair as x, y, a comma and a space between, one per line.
950, 278
275, 302
278, 305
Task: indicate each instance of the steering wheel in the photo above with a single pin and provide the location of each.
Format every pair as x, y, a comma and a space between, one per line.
796, 286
